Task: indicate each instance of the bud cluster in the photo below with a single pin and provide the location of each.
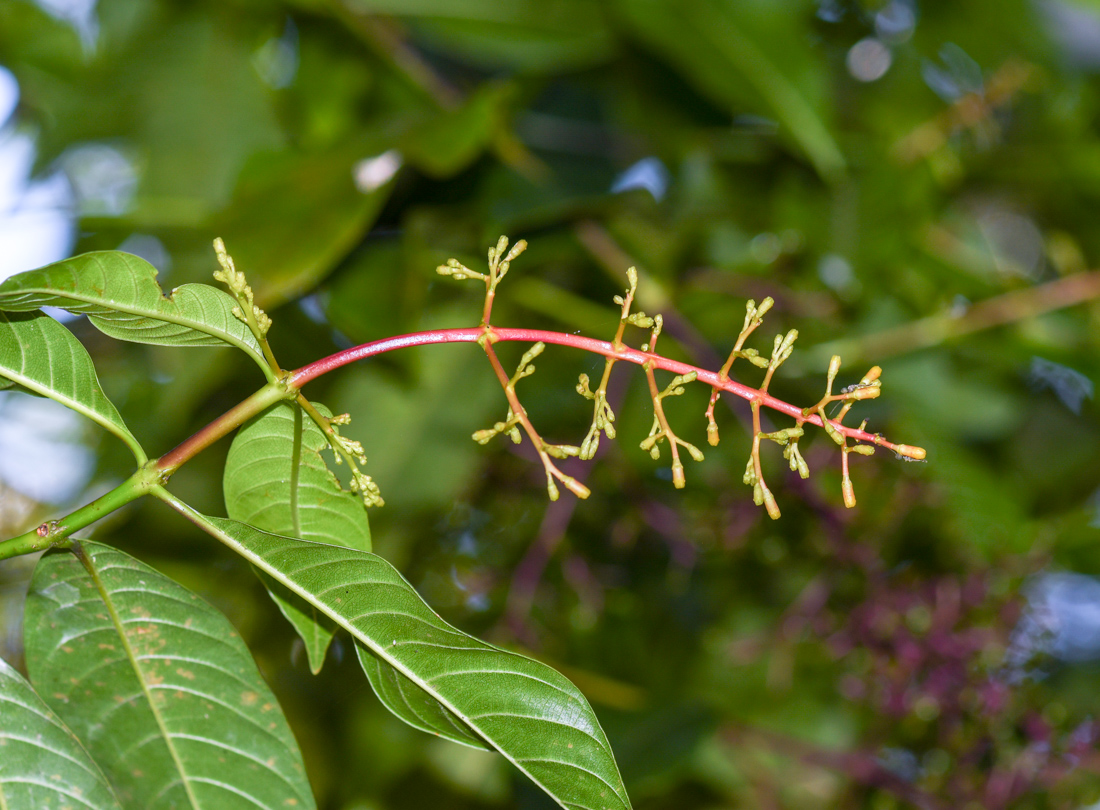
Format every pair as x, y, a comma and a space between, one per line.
603, 418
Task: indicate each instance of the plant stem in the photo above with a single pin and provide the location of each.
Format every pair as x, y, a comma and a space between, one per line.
55, 533
1007, 308
316, 369
224, 424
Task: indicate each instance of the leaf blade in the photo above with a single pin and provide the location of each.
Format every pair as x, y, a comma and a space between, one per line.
36, 742
42, 356
402, 697
526, 710
123, 299
277, 480
143, 670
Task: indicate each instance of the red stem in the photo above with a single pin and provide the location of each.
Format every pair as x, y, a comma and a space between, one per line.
471, 335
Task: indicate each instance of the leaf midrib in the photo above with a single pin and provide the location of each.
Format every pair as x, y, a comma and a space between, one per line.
154, 314
93, 572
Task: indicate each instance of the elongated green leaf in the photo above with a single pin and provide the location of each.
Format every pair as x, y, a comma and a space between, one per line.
41, 355
276, 480
404, 697
43, 765
529, 712
726, 49
158, 687
121, 296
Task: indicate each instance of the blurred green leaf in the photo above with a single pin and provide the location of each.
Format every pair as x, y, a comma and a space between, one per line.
294, 217
529, 36
727, 48
448, 142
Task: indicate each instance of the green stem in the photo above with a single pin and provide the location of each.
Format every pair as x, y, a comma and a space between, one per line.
55, 533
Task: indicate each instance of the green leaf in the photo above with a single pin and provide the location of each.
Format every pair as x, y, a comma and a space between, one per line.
294, 217
158, 686
450, 141
122, 298
42, 356
726, 49
524, 709
44, 765
276, 480
525, 36
424, 454
404, 697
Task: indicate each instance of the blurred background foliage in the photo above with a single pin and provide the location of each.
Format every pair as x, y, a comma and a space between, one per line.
913, 182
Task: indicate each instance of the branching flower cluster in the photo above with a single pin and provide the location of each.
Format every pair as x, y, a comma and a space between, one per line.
850, 440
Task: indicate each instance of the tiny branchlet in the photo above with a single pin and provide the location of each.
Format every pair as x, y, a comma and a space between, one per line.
661, 430
500, 259
849, 439
603, 418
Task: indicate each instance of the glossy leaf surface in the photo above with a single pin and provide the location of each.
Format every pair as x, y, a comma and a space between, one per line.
158, 686
276, 480
42, 356
404, 697
122, 298
44, 766
529, 712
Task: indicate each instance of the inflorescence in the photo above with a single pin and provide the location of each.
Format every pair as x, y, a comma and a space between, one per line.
603, 417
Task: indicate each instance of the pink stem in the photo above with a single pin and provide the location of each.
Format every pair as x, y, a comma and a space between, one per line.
471, 335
